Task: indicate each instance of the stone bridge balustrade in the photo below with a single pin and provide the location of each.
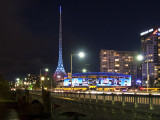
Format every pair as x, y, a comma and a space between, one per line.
94, 105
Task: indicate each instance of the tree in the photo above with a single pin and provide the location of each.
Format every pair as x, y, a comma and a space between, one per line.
4, 84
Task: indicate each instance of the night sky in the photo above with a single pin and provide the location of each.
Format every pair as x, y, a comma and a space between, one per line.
29, 31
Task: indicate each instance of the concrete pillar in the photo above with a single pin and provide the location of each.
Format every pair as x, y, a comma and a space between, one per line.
27, 96
46, 103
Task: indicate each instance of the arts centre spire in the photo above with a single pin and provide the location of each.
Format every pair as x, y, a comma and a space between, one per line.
60, 71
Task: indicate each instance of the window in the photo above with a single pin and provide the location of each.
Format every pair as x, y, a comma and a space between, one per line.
116, 59
117, 65
126, 65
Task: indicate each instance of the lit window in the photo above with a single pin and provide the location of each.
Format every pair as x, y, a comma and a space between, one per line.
104, 60
117, 65
126, 65
116, 59
126, 59
104, 52
103, 65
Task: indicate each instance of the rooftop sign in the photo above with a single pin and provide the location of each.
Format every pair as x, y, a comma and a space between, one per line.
146, 32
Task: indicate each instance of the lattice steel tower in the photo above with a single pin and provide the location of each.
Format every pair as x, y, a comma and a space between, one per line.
60, 71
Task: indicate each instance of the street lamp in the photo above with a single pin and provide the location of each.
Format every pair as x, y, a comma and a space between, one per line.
84, 70
140, 58
81, 55
42, 78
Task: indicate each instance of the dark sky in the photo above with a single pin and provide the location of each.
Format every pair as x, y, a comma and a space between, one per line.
29, 31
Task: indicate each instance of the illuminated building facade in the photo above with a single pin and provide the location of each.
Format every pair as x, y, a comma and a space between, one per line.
98, 79
150, 45
119, 62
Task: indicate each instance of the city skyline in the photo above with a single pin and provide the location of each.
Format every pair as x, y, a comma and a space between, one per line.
32, 38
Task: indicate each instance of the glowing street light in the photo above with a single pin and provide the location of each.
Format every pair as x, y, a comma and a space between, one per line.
84, 70
46, 69
81, 54
42, 78
139, 57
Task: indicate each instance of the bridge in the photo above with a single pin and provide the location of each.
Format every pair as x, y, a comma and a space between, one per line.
94, 105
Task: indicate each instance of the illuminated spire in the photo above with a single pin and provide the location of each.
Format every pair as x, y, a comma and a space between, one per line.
60, 71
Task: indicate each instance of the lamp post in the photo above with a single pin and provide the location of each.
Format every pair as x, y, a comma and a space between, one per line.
81, 54
46, 69
140, 58
42, 79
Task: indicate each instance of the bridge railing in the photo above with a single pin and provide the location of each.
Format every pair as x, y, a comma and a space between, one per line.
135, 99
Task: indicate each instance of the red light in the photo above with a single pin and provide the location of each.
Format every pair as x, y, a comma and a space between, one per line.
45, 73
140, 88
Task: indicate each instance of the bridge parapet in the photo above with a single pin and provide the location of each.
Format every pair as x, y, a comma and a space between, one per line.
139, 100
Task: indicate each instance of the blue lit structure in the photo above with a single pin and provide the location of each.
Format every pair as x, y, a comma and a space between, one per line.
60, 71
98, 79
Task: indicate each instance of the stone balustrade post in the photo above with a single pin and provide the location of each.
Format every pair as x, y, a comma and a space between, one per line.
112, 99
90, 97
123, 100
104, 98
150, 101
135, 101
96, 97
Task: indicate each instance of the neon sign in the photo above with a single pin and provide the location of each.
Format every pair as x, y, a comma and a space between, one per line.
155, 32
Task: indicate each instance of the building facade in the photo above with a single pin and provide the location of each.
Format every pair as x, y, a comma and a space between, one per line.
123, 62
150, 45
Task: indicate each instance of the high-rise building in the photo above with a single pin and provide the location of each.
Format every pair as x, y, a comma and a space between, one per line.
119, 62
60, 71
150, 45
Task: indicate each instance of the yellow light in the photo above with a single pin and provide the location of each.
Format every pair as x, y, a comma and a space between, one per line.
42, 78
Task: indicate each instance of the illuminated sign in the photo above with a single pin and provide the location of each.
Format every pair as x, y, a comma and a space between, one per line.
155, 32
159, 29
146, 32
125, 81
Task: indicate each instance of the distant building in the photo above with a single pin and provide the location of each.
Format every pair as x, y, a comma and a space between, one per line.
150, 45
119, 62
31, 80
